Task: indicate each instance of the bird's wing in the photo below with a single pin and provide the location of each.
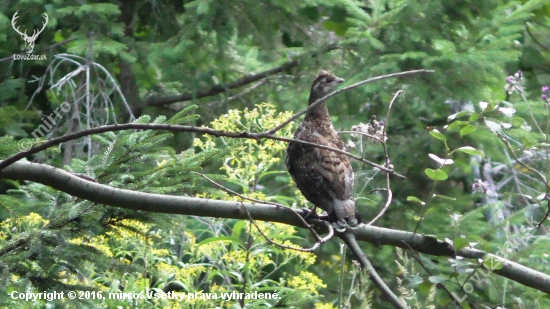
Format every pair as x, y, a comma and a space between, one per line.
322, 176
334, 167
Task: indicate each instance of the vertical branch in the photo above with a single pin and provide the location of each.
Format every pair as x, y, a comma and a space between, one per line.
389, 196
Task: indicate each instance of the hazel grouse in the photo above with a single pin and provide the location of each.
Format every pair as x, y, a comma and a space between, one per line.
324, 177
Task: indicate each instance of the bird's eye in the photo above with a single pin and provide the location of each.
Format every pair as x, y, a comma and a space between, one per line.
328, 80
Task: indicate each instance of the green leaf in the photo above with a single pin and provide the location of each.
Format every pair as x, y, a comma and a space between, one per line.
444, 197
459, 115
143, 284
202, 7
468, 149
237, 228
492, 263
486, 244
456, 125
467, 129
338, 28
436, 279
491, 106
437, 174
413, 280
415, 200
474, 117
430, 211
526, 143
435, 133
425, 287
460, 243
182, 116
517, 121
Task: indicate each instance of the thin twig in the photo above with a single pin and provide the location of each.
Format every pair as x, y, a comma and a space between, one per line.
361, 133
534, 38
60, 43
257, 136
284, 139
320, 240
341, 276
507, 144
520, 91
334, 93
168, 127
238, 95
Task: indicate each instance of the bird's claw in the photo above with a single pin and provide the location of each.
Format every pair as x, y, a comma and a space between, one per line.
340, 225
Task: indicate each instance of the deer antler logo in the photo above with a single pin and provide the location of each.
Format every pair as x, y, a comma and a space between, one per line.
29, 40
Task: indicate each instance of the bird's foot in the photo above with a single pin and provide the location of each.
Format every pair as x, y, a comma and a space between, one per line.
341, 225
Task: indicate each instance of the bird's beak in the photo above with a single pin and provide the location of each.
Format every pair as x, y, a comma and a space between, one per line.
340, 80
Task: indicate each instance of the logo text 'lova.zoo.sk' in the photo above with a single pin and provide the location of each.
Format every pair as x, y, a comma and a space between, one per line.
29, 39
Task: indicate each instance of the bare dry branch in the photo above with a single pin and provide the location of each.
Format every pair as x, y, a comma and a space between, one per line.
217, 89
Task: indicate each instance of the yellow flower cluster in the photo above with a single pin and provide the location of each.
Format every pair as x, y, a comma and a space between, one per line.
307, 281
248, 159
99, 242
238, 259
21, 224
324, 306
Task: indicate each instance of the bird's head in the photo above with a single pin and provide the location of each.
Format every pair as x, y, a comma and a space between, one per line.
323, 84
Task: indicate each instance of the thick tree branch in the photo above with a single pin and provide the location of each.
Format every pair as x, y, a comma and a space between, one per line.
102, 194
347, 236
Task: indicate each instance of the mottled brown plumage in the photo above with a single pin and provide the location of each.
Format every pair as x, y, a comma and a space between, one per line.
324, 177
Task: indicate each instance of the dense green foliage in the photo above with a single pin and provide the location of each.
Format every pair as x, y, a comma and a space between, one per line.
192, 62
